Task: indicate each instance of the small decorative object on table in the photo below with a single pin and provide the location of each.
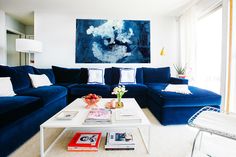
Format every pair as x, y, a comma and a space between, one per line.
119, 92
66, 115
91, 100
181, 71
111, 104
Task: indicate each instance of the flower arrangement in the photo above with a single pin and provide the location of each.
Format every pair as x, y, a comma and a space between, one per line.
119, 92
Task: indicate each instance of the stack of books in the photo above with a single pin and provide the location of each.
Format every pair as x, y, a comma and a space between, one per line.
85, 142
119, 141
98, 116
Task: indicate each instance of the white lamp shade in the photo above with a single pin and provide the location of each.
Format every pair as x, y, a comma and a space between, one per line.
28, 45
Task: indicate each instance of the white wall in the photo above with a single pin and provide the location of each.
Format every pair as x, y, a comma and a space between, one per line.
57, 32
14, 25
3, 52
12, 56
29, 30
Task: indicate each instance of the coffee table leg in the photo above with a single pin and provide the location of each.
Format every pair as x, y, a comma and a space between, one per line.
42, 141
146, 139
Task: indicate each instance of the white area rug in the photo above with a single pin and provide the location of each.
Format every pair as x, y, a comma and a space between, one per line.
166, 141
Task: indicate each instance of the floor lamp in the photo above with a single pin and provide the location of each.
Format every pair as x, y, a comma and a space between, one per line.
28, 46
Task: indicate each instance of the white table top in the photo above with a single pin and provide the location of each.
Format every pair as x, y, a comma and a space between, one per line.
79, 105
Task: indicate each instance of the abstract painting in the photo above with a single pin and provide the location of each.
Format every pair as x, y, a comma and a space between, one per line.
112, 41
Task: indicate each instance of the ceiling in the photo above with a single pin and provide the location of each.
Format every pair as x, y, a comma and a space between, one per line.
22, 10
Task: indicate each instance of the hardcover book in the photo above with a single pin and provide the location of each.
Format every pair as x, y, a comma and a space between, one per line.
123, 138
127, 116
119, 141
85, 141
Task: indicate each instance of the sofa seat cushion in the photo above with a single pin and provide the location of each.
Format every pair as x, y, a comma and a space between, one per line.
13, 108
134, 90
199, 97
157, 87
47, 94
80, 90
14, 134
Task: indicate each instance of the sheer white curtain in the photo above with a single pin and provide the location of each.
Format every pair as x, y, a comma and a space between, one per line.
233, 65
188, 23
209, 50
187, 26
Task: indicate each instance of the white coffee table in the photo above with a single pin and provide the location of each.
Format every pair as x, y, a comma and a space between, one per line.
77, 121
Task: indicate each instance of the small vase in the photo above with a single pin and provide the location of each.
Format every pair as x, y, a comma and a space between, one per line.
182, 76
119, 103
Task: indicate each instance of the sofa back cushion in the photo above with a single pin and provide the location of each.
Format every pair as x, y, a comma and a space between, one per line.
80, 75
48, 72
108, 76
19, 76
66, 75
116, 75
156, 75
139, 75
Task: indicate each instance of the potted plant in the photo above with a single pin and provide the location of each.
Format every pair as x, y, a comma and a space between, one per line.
181, 71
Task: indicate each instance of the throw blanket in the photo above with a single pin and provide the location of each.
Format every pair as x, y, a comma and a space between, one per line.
183, 89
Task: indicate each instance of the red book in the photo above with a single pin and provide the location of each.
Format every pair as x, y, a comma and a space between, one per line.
85, 141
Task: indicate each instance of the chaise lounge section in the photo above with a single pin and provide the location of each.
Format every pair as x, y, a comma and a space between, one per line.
174, 108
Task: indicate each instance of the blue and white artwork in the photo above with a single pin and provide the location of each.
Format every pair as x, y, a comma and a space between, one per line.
112, 41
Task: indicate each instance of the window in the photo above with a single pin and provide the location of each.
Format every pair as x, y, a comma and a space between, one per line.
208, 51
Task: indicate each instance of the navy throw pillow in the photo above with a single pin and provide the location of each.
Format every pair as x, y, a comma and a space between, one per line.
108, 76
19, 76
66, 75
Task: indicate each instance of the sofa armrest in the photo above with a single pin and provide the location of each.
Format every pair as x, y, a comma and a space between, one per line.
174, 80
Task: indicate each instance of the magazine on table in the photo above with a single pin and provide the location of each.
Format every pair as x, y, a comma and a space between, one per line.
127, 116
98, 115
66, 115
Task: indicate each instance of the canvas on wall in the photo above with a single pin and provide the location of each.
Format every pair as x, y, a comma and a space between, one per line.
112, 41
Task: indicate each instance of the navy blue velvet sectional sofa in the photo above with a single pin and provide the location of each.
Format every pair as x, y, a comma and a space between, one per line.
21, 115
